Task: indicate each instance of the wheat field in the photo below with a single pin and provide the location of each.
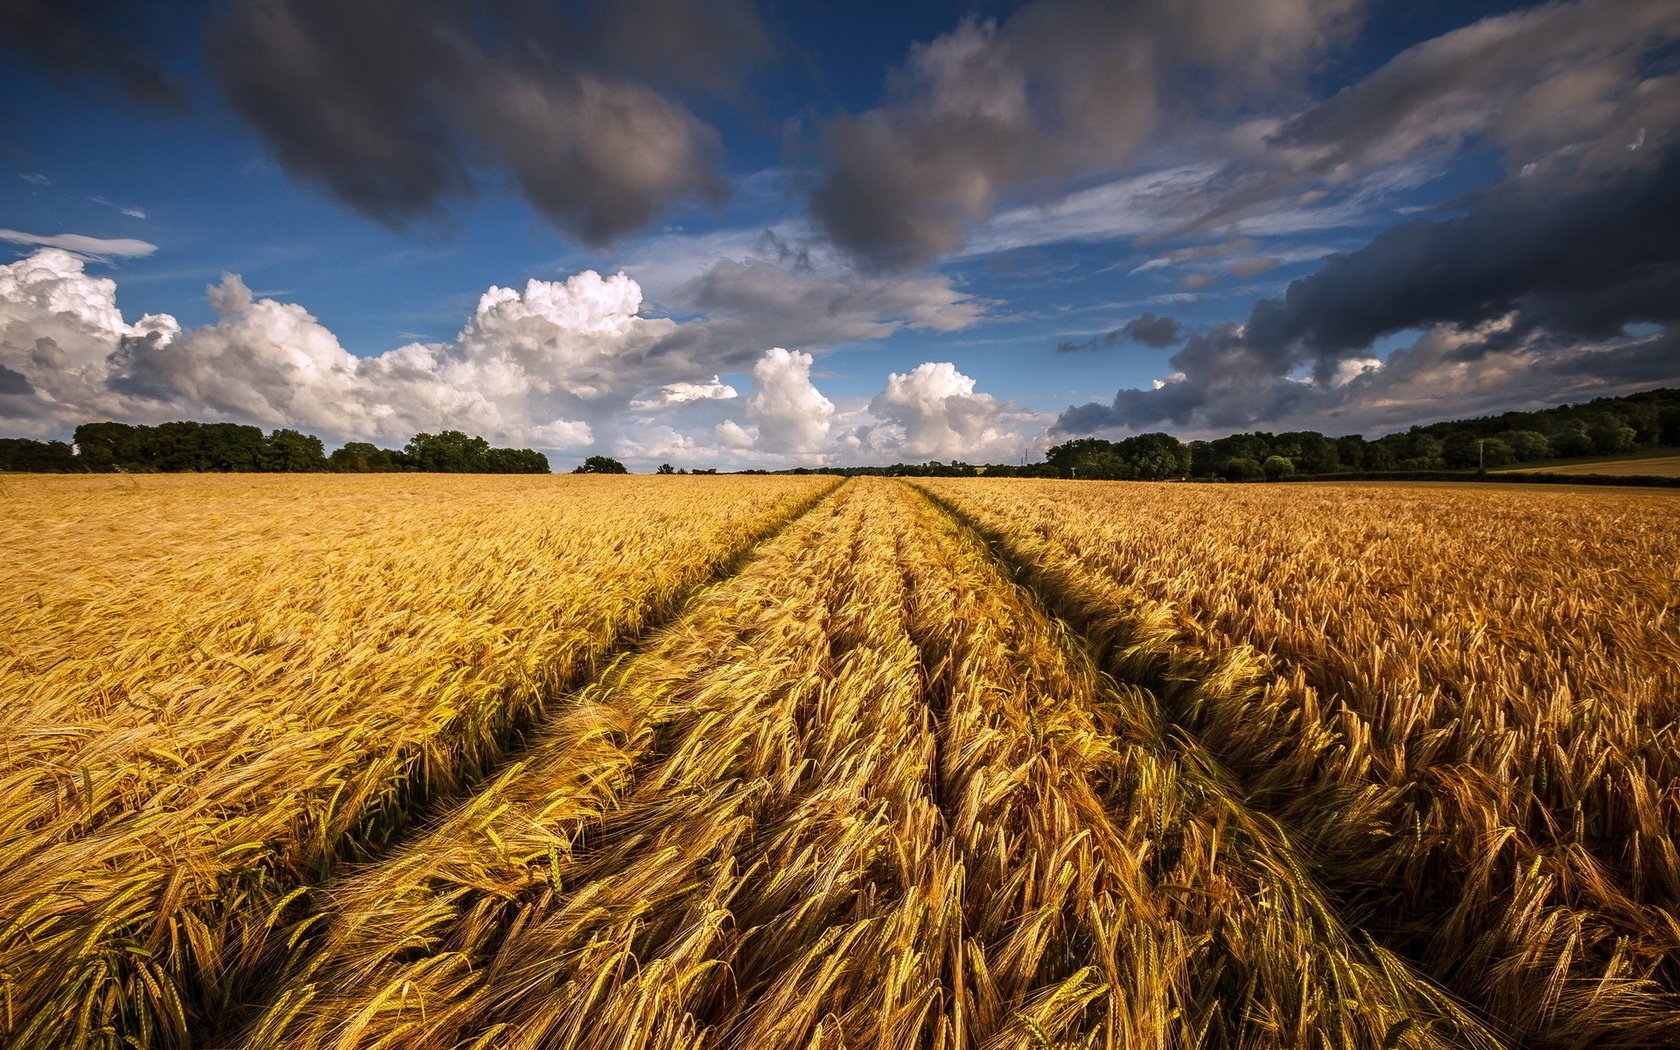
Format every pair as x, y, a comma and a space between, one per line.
452, 762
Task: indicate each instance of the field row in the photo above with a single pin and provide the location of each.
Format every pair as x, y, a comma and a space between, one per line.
217, 689
863, 794
1465, 707
469, 763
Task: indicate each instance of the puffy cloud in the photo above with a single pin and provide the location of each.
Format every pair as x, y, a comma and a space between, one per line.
58, 326
937, 414
930, 412
1063, 89
93, 247
394, 106
555, 365
562, 433
732, 435
791, 413
546, 365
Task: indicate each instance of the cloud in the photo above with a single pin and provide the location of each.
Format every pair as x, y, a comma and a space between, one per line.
133, 213
1061, 90
933, 412
1538, 286
1534, 81
89, 40
731, 435
559, 365
91, 247
1583, 85
683, 393
398, 109
552, 364
750, 305
58, 327
791, 413
1149, 329
35, 179
14, 384
1577, 84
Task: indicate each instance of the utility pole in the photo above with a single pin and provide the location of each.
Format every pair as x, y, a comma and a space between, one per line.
1481, 463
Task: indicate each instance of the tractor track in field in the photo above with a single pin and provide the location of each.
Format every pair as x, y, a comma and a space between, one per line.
625, 826
1171, 678
411, 814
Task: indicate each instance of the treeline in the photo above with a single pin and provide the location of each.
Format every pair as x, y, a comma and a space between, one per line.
1606, 426
216, 447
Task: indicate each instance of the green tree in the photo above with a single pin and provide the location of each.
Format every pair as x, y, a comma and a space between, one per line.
360, 457
1242, 468
1610, 433
1527, 445
515, 461
1310, 451
1155, 456
1157, 465
1278, 467
607, 465
665, 468
1458, 450
113, 446
294, 453
1572, 440
1497, 453
229, 446
447, 452
1384, 453
1350, 452
38, 457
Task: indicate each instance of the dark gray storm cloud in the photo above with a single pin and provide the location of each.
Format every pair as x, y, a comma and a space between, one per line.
1149, 329
14, 384
98, 40
397, 107
1060, 90
1540, 280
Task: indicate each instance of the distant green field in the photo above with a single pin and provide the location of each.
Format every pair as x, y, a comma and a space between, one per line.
1666, 465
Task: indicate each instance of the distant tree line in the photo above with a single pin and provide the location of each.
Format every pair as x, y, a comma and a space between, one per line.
188, 446
1606, 426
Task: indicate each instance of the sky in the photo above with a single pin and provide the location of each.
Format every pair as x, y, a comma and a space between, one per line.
720, 233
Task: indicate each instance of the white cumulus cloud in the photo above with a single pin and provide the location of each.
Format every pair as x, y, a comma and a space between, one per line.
933, 412
541, 365
558, 365
791, 413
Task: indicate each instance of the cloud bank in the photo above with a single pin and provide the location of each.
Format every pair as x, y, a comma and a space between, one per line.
565, 366
1540, 289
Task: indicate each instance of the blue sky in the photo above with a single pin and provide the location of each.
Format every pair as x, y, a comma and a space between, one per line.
976, 199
